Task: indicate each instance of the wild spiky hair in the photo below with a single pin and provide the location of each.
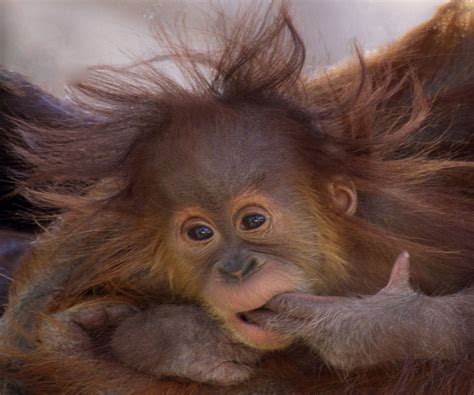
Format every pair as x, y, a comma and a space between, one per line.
399, 124
383, 121
257, 58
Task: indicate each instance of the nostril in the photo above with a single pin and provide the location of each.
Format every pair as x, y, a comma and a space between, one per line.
231, 268
249, 268
224, 272
238, 269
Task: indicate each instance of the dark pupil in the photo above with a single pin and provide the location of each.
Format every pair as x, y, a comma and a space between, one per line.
200, 232
253, 221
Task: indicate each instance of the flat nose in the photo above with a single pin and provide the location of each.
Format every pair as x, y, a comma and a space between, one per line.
238, 269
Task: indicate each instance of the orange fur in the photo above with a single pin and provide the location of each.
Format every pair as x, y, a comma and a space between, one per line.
385, 122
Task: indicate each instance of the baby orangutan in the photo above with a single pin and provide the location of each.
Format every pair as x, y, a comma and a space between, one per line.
241, 229
239, 232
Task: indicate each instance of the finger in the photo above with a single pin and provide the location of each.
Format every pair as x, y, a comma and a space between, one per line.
280, 323
400, 276
90, 318
225, 373
119, 312
61, 335
100, 316
298, 305
260, 316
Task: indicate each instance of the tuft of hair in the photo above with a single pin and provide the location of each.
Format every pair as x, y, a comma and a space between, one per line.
255, 57
398, 123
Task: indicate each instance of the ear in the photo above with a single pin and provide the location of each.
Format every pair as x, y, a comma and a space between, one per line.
343, 195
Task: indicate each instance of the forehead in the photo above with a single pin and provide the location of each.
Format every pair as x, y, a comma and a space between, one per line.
211, 156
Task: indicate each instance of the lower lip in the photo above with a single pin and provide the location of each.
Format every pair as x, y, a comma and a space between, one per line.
255, 336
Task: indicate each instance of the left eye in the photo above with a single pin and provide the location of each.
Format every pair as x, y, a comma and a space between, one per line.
200, 233
252, 221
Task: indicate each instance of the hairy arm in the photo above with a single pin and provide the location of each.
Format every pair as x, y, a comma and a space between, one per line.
396, 324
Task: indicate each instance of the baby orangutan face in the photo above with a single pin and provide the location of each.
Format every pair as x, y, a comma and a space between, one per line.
241, 228
245, 261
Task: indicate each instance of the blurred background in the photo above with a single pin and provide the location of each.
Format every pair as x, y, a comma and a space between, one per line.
53, 41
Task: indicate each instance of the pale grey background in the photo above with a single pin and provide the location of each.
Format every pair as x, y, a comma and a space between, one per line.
52, 41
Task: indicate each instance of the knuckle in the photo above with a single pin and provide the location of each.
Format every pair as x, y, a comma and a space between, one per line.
228, 373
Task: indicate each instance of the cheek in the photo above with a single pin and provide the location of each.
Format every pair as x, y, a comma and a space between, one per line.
186, 274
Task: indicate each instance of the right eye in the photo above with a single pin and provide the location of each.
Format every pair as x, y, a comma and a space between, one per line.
200, 233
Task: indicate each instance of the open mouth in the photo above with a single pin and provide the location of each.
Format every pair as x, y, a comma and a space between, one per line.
245, 320
247, 317
253, 331
254, 334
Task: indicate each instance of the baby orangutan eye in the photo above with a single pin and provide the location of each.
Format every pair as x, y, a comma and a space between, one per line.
252, 221
200, 233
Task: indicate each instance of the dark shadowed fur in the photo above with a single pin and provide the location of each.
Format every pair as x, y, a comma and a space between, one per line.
399, 124
20, 100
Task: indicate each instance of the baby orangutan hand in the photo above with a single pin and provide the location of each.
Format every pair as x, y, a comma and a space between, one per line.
395, 324
182, 341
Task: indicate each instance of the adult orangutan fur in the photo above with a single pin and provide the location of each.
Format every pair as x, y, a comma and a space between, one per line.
346, 169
